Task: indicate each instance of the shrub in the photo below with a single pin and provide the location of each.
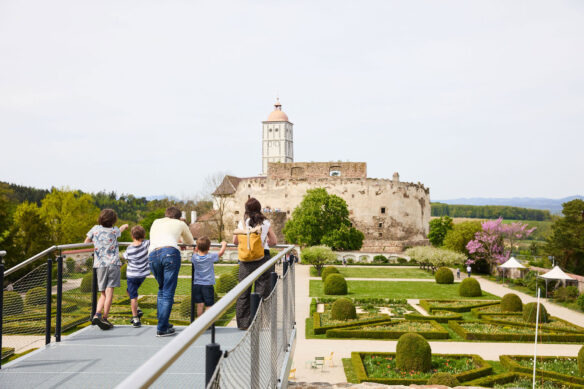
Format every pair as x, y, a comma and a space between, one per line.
86, 283
328, 270
335, 284
445, 379
318, 256
226, 282
12, 304
380, 259
413, 352
566, 293
401, 260
444, 276
581, 361
235, 271
70, 265
89, 262
470, 287
343, 309
511, 303
124, 271
530, 313
36, 296
580, 301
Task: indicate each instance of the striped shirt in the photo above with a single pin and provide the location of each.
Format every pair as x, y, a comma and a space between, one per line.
137, 257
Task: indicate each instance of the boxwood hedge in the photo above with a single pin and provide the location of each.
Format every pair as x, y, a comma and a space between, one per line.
361, 331
562, 337
319, 329
438, 319
510, 362
429, 307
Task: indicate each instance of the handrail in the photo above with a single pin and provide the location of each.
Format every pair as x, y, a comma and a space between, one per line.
60, 247
154, 367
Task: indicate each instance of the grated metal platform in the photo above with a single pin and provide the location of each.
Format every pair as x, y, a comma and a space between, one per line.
92, 358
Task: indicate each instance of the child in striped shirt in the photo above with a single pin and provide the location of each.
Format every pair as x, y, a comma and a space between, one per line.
138, 269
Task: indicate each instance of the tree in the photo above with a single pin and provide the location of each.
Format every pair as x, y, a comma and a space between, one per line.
30, 233
458, 237
435, 257
438, 229
489, 243
321, 218
69, 215
318, 256
223, 189
566, 242
146, 223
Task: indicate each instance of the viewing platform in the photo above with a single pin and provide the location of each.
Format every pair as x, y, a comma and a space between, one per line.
92, 358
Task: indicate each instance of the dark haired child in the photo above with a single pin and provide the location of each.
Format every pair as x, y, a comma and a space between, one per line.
203, 260
137, 271
106, 260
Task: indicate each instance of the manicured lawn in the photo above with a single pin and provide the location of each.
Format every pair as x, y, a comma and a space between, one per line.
376, 272
150, 286
398, 290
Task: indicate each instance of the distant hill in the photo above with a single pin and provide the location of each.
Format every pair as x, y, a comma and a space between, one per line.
552, 205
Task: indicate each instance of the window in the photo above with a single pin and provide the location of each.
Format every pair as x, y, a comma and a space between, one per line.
237, 212
270, 130
288, 212
335, 173
382, 209
380, 225
276, 130
380, 235
353, 196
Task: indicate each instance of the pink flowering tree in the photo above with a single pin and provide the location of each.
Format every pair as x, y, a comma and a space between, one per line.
489, 243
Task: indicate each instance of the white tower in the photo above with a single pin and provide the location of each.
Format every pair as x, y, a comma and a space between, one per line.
277, 138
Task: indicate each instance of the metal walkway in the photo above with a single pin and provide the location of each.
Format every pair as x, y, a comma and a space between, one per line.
92, 358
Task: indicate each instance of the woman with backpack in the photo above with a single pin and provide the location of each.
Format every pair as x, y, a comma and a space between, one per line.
253, 236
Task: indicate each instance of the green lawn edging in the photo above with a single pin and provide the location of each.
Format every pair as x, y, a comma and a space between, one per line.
320, 330
575, 329
361, 374
510, 363
360, 331
439, 319
427, 305
544, 338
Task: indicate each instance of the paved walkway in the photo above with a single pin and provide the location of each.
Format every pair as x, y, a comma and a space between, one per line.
307, 349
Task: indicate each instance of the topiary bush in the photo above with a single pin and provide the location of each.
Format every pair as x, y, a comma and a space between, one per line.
124, 271
581, 361
511, 303
89, 262
445, 379
530, 313
328, 270
343, 309
380, 259
36, 296
470, 287
70, 265
413, 352
335, 284
226, 282
86, 283
444, 276
12, 304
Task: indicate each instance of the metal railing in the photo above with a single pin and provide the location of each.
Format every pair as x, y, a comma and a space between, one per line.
154, 367
148, 373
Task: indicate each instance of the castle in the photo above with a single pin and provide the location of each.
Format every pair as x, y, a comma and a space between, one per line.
392, 214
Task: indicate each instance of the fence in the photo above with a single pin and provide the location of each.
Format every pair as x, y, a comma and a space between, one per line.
273, 329
60, 294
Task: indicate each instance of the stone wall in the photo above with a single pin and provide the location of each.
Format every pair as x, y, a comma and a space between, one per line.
392, 214
307, 170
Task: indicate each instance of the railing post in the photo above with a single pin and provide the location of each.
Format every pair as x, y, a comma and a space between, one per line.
192, 292
254, 359
59, 298
93, 291
1, 301
274, 332
212, 356
49, 298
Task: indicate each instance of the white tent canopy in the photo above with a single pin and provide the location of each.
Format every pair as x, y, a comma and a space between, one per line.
557, 274
512, 263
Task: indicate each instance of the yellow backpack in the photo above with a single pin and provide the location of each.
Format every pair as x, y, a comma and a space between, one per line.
250, 247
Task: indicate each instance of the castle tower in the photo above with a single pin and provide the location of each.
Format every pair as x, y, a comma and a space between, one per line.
277, 138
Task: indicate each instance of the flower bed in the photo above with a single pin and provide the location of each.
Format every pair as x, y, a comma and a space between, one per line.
391, 330
397, 307
519, 380
380, 368
555, 323
321, 327
479, 330
438, 316
454, 305
561, 368
491, 309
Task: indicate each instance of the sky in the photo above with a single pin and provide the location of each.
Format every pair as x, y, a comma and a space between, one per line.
471, 98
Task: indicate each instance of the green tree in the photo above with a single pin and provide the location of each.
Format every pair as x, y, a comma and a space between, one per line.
149, 219
321, 218
566, 242
438, 229
318, 256
69, 215
458, 237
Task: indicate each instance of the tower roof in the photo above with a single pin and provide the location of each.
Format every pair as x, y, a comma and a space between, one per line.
277, 114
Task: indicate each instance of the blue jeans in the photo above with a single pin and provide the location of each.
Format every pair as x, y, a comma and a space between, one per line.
165, 265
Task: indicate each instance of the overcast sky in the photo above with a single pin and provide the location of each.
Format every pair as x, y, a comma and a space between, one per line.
471, 98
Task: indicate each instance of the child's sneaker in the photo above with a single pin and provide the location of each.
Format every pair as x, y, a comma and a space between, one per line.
108, 322
168, 332
136, 323
140, 313
101, 323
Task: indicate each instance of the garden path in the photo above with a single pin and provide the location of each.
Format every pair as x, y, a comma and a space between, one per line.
307, 349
